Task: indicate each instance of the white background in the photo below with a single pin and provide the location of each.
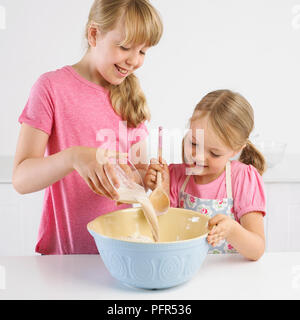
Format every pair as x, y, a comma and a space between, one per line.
248, 46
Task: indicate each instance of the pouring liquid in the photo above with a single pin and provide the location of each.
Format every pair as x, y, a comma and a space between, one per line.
137, 194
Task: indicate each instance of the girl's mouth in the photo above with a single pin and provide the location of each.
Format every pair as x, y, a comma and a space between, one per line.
197, 165
121, 71
195, 169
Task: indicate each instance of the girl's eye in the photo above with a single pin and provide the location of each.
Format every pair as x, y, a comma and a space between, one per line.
214, 155
126, 49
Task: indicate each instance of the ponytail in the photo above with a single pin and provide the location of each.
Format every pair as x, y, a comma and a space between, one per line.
129, 101
251, 155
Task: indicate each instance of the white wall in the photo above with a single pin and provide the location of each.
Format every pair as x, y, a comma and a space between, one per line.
249, 46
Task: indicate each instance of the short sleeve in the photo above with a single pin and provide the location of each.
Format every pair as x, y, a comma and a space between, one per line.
177, 176
248, 192
39, 109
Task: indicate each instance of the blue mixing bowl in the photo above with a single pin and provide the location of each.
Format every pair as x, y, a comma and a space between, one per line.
175, 259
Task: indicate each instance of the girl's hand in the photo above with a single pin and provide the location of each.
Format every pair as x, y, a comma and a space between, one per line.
220, 227
150, 180
91, 165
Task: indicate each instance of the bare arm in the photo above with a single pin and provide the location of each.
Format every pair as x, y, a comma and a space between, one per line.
32, 171
248, 237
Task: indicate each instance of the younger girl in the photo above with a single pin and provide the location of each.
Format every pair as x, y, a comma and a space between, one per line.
230, 192
73, 111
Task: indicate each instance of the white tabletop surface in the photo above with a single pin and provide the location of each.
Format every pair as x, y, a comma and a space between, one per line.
230, 276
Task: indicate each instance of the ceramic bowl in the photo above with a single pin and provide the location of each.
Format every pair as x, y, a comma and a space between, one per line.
175, 259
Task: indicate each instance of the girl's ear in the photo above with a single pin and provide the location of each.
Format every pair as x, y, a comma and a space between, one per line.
92, 35
234, 153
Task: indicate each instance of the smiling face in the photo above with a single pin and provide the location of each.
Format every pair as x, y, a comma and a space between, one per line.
206, 153
113, 61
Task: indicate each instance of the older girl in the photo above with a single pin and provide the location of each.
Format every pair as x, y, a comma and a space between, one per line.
76, 109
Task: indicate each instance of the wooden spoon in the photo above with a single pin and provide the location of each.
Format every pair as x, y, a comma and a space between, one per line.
159, 198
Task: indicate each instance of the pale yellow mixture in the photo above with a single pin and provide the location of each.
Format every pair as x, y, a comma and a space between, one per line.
137, 194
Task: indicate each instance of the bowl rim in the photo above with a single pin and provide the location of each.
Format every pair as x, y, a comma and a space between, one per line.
150, 243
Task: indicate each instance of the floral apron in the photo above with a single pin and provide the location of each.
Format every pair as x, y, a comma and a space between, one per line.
211, 207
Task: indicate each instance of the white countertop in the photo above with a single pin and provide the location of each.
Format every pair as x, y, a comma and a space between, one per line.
286, 171
230, 276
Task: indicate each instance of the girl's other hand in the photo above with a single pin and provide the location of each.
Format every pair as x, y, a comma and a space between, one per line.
150, 180
220, 227
91, 168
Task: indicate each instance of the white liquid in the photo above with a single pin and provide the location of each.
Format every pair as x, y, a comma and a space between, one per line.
137, 194
150, 215
132, 194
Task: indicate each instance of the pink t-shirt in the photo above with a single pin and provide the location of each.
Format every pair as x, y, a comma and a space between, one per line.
247, 188
74, 112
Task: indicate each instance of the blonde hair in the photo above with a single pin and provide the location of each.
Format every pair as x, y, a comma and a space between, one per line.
232, 119
142, 25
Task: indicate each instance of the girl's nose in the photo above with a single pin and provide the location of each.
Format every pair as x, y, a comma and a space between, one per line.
199, 157
134, 60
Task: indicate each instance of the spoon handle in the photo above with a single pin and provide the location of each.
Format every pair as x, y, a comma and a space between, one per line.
160, 144
158, 179
159, 154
